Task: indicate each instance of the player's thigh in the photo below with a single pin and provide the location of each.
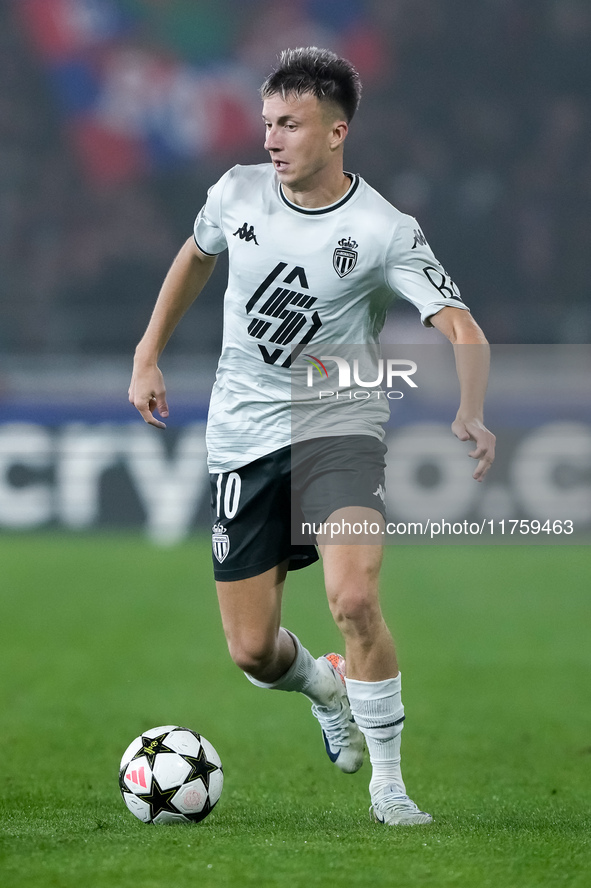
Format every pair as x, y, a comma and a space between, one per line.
251, 610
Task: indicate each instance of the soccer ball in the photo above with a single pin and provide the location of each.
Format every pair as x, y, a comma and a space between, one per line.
170, 774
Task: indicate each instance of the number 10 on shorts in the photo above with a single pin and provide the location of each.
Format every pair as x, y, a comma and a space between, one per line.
228, 494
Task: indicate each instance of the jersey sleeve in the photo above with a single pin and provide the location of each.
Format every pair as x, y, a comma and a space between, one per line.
208, 230
413, 272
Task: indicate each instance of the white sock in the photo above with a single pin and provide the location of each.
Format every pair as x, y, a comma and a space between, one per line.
377, 708
304, 675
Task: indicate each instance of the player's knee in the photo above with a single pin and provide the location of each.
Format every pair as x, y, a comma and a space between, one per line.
353, 596
355, 609
253, 656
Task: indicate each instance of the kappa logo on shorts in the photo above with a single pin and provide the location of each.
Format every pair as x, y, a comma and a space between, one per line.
220, 542
381, 493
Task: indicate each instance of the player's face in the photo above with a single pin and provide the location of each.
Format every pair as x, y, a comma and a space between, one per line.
304, 139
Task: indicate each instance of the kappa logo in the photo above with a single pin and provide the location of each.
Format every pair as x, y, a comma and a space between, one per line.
420, 239
381, 493
220, 542
344, 258
246, 233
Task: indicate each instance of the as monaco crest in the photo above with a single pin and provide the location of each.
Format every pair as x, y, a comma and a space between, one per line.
344, 258
220, 542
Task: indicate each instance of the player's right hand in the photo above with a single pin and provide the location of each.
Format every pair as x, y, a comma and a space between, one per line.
147, 393
484, 451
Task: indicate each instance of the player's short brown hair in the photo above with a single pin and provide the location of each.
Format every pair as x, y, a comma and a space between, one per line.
317, 71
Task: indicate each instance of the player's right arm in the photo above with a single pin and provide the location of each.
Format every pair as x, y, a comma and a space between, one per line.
186, 278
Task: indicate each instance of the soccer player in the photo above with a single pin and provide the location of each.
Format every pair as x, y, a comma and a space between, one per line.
315, 257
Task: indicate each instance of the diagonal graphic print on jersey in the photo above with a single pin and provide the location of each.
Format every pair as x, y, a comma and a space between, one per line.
282, 316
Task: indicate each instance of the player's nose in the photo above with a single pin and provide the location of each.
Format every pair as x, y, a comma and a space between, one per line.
271, 141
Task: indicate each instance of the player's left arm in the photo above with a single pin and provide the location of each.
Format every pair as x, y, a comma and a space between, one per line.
472, 355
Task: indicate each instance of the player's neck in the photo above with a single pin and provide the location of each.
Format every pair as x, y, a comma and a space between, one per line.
314, 195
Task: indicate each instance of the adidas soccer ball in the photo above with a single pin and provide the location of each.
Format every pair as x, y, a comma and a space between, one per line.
170, 774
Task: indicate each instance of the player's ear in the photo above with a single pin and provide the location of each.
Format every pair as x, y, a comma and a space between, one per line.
338, 133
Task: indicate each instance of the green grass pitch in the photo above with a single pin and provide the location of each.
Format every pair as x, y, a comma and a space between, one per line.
102, 637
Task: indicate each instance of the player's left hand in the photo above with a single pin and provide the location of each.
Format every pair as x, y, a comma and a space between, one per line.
484, 451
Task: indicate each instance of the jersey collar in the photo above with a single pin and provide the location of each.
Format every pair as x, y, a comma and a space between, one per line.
321, 210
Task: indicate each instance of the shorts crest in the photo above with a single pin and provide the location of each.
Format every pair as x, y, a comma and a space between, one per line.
220, 542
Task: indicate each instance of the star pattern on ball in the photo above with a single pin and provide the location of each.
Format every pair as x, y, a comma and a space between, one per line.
160, 799
151, 746
200, 767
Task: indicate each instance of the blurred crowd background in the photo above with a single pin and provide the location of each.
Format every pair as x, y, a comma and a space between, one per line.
117, 115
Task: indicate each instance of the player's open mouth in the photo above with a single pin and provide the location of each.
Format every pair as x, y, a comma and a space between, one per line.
280, 165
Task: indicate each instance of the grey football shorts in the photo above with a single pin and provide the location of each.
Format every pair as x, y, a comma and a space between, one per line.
258, 509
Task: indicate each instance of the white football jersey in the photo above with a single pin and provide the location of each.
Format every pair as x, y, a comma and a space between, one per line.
300, 279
